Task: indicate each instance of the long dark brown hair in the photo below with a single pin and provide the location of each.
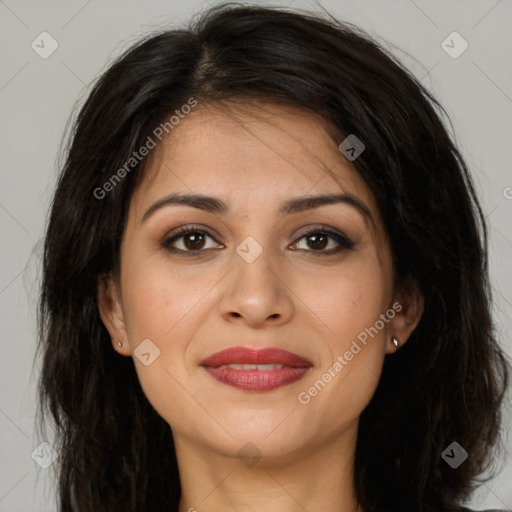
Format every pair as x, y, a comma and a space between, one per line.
446, 384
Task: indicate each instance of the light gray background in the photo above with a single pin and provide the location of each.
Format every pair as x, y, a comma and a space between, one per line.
37, 97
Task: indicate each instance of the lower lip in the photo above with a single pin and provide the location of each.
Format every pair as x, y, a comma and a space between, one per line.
257, 380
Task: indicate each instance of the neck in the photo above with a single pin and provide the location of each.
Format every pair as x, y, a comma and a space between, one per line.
318, 478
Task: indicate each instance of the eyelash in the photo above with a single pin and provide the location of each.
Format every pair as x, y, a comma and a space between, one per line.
343, 241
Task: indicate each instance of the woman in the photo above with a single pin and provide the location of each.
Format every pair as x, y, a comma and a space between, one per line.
265, 281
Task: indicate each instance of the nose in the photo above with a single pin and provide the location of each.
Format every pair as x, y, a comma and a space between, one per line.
256, 293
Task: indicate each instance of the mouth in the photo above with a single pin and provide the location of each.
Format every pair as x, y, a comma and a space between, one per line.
256, 370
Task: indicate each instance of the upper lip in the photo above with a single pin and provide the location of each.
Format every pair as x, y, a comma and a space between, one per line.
244, 355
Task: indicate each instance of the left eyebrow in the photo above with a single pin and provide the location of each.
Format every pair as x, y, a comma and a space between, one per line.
295, 205
300, 204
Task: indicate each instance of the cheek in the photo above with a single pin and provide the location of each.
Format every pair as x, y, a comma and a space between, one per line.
346, 300
159, 300
155, 315
164, 307
349, 302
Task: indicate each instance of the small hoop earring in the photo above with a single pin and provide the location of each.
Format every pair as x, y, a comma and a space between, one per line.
395, 341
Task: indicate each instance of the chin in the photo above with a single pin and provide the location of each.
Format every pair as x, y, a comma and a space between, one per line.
274, 432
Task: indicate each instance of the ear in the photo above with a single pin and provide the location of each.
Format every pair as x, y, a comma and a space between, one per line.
111, 313
408, 305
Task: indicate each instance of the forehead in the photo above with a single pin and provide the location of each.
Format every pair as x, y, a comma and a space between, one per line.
245, 153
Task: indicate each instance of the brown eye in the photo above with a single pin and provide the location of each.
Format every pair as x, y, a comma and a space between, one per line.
192, 240
317, 240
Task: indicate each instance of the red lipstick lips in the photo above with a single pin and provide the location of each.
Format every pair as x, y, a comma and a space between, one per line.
256, 369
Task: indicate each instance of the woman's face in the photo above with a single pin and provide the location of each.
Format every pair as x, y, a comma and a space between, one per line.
255, 281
